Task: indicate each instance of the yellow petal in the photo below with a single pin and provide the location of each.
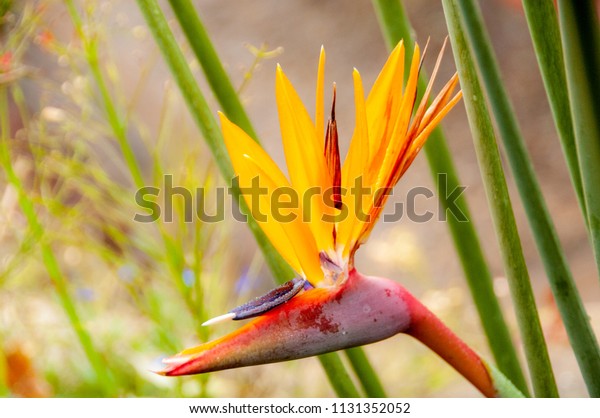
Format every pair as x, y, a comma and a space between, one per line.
305, 159
299, 236
355, 167
293, 239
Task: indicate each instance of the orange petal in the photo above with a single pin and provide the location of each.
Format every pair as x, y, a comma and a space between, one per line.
425, 99
424, 134
439, 102
319, 101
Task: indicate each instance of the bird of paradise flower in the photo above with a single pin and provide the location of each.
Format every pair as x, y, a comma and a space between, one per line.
332, 306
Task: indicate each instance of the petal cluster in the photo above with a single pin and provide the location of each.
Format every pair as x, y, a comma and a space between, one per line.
330, 208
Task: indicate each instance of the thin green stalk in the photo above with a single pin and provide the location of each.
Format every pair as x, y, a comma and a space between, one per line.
212, 135
365, 372
580, 35
150, 308
90, 47
565, 292
201, 237
336, 372
119, 127
395, 26
501, 209
102, 376
211, 64
543, 27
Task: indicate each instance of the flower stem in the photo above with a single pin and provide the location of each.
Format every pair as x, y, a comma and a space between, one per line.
580, 34
431, 331
543, 27
336, 372
211, 64
395, 26
565, 292
365, 372
501, 209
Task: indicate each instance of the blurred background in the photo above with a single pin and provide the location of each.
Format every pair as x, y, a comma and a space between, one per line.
141, 290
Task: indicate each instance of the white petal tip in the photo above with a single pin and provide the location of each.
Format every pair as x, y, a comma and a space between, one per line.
175, 360
221, 318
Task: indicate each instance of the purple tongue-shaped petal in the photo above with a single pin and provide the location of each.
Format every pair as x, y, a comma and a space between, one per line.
264, 303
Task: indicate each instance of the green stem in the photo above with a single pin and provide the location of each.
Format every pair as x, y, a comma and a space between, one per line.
212, 135
559, 275
365, 372
581, 43
501, 209
543, 27
336, 372
103, 378
431, 331
211, 64
395, 26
